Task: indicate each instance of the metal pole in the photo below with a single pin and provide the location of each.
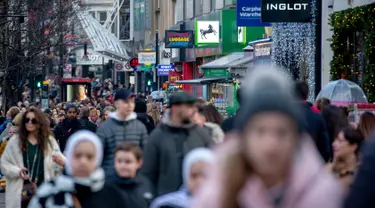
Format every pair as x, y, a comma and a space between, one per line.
61, 55
157, 78
318, 46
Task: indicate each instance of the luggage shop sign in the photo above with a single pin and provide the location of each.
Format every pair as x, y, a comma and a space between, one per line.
286, 11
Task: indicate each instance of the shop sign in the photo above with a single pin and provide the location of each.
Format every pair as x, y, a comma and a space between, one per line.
179, 39
207, 32
173, 77
286, 11
163, 69
263, 50
249, 14
215, 72
90, 57
146, 57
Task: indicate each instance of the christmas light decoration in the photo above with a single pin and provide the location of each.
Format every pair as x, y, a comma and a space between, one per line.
293, 48
345, 24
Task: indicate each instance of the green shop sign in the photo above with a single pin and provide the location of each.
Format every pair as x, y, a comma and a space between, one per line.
216, 73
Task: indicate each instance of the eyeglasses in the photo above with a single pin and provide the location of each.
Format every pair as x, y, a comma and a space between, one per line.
32, 120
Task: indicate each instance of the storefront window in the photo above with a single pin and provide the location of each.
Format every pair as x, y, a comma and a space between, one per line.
222, 96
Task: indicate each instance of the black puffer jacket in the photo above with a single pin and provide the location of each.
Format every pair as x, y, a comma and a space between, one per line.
136, 192
147, 121
63, 131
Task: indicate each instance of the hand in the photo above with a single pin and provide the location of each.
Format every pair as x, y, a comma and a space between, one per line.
23, 175
58, 159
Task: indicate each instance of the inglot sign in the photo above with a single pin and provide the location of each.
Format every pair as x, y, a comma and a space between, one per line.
286, 11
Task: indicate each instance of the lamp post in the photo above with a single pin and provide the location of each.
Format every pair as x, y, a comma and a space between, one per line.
156, 77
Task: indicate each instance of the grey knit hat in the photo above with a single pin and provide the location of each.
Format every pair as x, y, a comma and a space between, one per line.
268, 90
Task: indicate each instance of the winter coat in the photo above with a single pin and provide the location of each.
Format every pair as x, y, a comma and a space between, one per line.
147, 121
114, 131
64, 130
309, 185
316, 127
362, 190
136, 192
11, 164
86, 124
215, 132
167, 146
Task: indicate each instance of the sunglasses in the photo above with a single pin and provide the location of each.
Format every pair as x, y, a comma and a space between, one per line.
32, 120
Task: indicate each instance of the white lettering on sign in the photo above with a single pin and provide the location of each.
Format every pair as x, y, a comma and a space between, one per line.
250, 12
91, 57
287, 6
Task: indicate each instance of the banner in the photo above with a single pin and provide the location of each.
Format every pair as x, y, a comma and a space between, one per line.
163, 69
286, 11
146, 57
179, 39
249, 14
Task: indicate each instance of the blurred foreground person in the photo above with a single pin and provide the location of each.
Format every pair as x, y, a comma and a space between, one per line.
271, 163
83, 183
194, 173
366, 124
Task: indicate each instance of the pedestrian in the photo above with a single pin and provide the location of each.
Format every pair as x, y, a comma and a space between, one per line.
85, 122
209, 118
270, 162
141, 110
228, 124
107, 110
314, 122
68, 126
11, 114
12, 131
195, 166
169, 143
29, 159
83, 182
120, 127
135, 188
366, 124
153, 110
322, 102
345, 155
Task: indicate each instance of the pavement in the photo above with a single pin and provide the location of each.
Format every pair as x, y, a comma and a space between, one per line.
2, 200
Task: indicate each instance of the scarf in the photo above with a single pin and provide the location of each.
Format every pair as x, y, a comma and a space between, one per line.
63, 188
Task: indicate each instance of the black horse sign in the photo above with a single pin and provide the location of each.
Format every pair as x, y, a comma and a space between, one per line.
207, 32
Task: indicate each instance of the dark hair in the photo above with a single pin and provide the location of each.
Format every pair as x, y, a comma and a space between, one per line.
366, 124
140, 106
211, 113
130, 147
353, 136
42, 130
301, 90
335, 120
322, 102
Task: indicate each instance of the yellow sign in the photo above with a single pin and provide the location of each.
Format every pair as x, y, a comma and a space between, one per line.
46, 82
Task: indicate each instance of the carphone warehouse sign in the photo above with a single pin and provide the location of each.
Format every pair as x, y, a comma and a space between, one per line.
286, 11
249, 14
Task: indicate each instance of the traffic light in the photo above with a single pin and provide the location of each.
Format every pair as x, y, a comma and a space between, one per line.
149, 83
39, 81
39, 84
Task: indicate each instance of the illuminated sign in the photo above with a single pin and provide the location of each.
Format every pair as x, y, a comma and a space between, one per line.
179, 39
133, 62
207, 32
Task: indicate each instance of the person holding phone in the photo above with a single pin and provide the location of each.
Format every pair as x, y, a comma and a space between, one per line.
29, 159
270, 162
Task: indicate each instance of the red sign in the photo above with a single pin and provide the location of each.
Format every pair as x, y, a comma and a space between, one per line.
133, 62
174, 76
119, 67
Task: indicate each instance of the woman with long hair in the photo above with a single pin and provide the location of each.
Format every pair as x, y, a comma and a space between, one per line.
366, 124
30, 158
335, 120
83, 182
209, 118
154, 112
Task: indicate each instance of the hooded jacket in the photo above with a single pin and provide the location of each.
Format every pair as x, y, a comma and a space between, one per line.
114, 131
64, 130
167, 146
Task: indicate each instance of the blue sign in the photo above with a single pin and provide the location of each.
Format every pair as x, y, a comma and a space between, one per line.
163, 69
249, 14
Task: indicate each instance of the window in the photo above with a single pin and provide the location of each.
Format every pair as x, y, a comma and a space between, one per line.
229, 2
92, 13
102, 17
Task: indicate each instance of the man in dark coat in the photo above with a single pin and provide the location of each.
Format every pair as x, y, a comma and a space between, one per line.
68, 126
170, 142
85, 121
141, 110
315, 125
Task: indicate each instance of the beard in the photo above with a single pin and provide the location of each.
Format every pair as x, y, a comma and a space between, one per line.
186, 121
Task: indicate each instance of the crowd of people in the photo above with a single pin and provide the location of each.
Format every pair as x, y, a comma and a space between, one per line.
119, 149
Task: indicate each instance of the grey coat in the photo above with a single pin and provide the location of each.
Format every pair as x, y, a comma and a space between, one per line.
113, 131
165, 151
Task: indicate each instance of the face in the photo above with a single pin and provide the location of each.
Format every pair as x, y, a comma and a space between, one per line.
12, 131
199, 119
71, 114
196, 176
270, 142
23, 110
83, 160
106, 114
125, 107
93, 115
31, 122
126, 164
341, 147
185, 112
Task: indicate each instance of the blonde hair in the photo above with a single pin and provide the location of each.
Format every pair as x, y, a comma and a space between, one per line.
152, 110
17, 120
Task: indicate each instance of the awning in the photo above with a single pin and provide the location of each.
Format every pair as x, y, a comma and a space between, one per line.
233, 60
205, 80
102, 40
